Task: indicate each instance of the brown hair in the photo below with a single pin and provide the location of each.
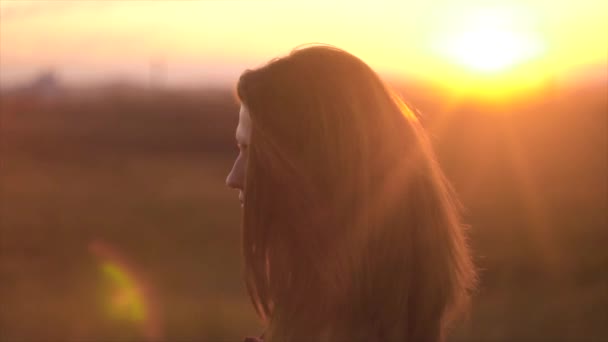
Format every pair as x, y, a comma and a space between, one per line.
351, 232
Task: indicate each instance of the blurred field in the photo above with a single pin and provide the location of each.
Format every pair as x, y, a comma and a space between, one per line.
143, 171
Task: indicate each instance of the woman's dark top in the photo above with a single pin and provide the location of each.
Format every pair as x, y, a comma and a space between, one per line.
253, 339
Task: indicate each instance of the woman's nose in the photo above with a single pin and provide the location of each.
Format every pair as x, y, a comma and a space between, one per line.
234, 178
230, 182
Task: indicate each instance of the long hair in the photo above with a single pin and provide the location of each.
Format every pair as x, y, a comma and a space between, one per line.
351, 232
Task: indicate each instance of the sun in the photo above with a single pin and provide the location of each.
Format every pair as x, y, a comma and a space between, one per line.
490, 41
491, 49
492, 52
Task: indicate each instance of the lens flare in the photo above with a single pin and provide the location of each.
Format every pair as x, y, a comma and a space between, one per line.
127, 297
127, 302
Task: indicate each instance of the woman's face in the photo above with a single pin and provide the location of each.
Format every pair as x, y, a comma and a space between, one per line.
236, 177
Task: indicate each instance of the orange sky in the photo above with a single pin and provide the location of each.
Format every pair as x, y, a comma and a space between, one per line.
467, 44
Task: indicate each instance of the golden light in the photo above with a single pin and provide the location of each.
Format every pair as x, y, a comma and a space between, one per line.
469, 46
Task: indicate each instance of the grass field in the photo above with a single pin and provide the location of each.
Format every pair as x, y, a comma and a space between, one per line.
142, 173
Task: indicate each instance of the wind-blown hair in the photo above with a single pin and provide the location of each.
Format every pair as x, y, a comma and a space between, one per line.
351, 232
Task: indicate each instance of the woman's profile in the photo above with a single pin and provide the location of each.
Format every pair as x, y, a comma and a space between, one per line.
350, 230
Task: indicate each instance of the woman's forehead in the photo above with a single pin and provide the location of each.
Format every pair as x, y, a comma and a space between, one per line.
243, 130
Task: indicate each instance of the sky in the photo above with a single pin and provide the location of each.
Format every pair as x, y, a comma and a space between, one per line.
467, 44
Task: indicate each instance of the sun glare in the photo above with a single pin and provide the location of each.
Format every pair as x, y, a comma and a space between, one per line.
491, 51
491, 42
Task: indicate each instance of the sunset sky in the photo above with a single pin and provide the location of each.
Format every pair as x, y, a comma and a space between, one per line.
467, 44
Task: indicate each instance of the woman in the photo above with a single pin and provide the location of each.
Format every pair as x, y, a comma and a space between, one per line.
350, 229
